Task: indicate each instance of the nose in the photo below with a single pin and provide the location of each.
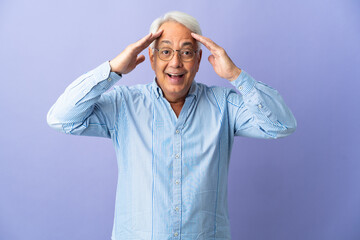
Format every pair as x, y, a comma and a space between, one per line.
176, 60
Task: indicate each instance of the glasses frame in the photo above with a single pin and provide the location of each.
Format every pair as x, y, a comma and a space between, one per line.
173, 54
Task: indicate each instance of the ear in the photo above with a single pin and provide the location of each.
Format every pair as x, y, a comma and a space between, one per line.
199, 60
151, 57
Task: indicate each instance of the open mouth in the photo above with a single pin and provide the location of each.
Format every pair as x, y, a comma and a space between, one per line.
175, 75
176, 78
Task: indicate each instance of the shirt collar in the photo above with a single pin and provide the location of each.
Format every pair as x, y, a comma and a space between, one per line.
194, 89
156, 89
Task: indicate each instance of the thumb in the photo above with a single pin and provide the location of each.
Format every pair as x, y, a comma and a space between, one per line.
140, 59
211, 59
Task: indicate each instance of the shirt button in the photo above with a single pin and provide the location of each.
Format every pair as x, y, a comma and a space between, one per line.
177, 181
260, 106
109, 79
177, 131
177, 209
240, 87
177, 156
176, 234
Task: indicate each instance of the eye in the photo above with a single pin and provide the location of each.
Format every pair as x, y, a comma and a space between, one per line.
165, 51
187, 52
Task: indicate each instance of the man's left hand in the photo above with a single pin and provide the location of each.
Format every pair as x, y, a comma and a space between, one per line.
221, 62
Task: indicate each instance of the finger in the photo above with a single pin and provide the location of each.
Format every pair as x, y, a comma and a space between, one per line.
211, 59
208, 43
139, 59
157, 34
139, 45
154, 37
147, 40
144, 39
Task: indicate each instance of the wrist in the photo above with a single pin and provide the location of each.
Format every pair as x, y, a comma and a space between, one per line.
112, 68
235, 75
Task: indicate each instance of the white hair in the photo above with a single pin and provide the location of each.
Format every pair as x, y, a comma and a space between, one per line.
183, 18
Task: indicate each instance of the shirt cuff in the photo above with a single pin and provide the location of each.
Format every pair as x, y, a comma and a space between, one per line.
244, 83
99, 79
102, 72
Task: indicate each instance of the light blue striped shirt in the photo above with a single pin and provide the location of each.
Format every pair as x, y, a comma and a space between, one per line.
172, 172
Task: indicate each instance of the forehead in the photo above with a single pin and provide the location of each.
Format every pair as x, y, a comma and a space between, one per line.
175, 34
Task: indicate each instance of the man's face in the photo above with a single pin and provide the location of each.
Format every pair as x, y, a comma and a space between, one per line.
175, 76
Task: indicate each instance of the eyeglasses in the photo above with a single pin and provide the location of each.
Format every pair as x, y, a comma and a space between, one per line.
166, 54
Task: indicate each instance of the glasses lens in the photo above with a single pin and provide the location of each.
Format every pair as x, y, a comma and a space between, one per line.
187, 54
166, 53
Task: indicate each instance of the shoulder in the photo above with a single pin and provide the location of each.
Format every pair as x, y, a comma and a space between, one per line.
219, 95
135, 91
218, 91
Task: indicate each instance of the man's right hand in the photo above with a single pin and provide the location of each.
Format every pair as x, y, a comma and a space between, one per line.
128, 59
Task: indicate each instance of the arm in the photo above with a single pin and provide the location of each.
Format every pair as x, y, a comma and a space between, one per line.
84, 108
258, 111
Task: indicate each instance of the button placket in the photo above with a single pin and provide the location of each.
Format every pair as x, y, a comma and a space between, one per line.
176, 215
178, 156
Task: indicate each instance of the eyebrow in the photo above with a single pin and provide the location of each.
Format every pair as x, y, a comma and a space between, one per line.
165, 41
182, 45
187, 44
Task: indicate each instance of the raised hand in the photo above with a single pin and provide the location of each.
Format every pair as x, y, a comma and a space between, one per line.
128, 59
221, 62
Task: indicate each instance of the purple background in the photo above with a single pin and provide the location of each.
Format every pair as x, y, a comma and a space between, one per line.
303, 187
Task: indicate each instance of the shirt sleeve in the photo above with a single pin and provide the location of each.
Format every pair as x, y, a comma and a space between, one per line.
259, 111
85, 108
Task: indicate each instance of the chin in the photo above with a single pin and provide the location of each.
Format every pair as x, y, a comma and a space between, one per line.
175, 92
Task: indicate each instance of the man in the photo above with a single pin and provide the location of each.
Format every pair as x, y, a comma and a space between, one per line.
173, 137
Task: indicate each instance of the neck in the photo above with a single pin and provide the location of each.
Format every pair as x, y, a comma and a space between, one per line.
175, 99
176, 104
